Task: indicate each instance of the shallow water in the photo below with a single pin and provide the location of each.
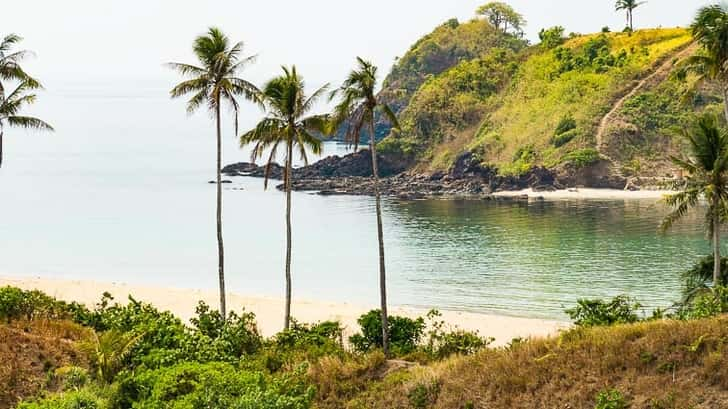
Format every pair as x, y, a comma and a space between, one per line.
119, 193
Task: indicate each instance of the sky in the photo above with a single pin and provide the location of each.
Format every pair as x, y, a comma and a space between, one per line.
122, 42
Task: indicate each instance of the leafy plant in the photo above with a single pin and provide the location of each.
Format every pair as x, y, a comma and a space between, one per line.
611, 399
619, 310
405, 333
110, 352
582, 157
443, 342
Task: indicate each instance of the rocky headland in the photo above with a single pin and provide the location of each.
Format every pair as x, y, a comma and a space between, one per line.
351, 175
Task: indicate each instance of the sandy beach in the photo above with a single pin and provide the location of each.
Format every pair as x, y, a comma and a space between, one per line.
269, 310
589, 193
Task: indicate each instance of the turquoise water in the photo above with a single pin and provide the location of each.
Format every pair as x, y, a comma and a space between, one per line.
119, 193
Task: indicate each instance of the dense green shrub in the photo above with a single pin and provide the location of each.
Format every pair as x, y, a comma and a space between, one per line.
619, 310
564, 138
567, 123
593, 56
582, 157
21, 304
212, 385
404, 333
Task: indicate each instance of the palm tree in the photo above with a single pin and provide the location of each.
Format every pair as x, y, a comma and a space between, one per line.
10, 107
288, 123
629, 6
359, 103
707, 170
214, 83
11, 71
109, 351
710, 30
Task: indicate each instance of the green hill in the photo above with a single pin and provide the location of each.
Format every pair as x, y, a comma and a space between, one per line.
449, 44
606, 101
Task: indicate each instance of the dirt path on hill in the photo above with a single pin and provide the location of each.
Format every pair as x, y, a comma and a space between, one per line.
660, 73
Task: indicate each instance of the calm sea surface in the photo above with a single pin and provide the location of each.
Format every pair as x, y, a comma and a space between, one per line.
120, 193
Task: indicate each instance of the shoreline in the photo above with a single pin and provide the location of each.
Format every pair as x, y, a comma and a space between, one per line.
269, 310
586, 194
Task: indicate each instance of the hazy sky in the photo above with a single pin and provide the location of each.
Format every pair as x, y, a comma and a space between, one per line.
122, 40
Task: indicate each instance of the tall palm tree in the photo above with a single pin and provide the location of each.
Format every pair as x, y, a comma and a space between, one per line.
710, 30
213, 83
11, 71
707, 170
10, 107
359, 103
287, 123
629, 6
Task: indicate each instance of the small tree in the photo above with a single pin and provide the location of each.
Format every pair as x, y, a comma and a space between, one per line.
552, 37
502, 16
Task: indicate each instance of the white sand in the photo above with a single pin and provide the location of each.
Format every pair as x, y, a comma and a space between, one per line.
269, 310
589, 193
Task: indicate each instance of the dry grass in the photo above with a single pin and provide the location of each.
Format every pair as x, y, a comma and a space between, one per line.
29, 351
654, 365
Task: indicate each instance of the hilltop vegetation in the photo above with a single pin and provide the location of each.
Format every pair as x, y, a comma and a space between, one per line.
449, 44
516, 109
470, 87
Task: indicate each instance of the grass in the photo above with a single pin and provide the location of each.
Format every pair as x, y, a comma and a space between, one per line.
30, 351
665, 364
541, 95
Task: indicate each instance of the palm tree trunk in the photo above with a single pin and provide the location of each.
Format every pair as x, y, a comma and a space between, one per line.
289, 176
716, 243
725, 101
220, 249
631, 25
380, 238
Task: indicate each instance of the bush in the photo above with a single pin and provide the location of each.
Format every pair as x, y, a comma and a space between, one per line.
404, 333
71, 400
567, 123
619, 310
707, 304
71, 378
611, 399
582, 158
234, 337
212, 385
564, 138
442, 343
18, 304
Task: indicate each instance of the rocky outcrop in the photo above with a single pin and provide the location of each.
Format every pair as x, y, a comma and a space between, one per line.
351, 175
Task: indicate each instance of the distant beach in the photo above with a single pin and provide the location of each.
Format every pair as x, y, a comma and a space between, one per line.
589, 193
269, 310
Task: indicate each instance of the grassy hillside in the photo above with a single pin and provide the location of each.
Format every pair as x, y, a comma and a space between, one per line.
664, 364
448, 45
521, 108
